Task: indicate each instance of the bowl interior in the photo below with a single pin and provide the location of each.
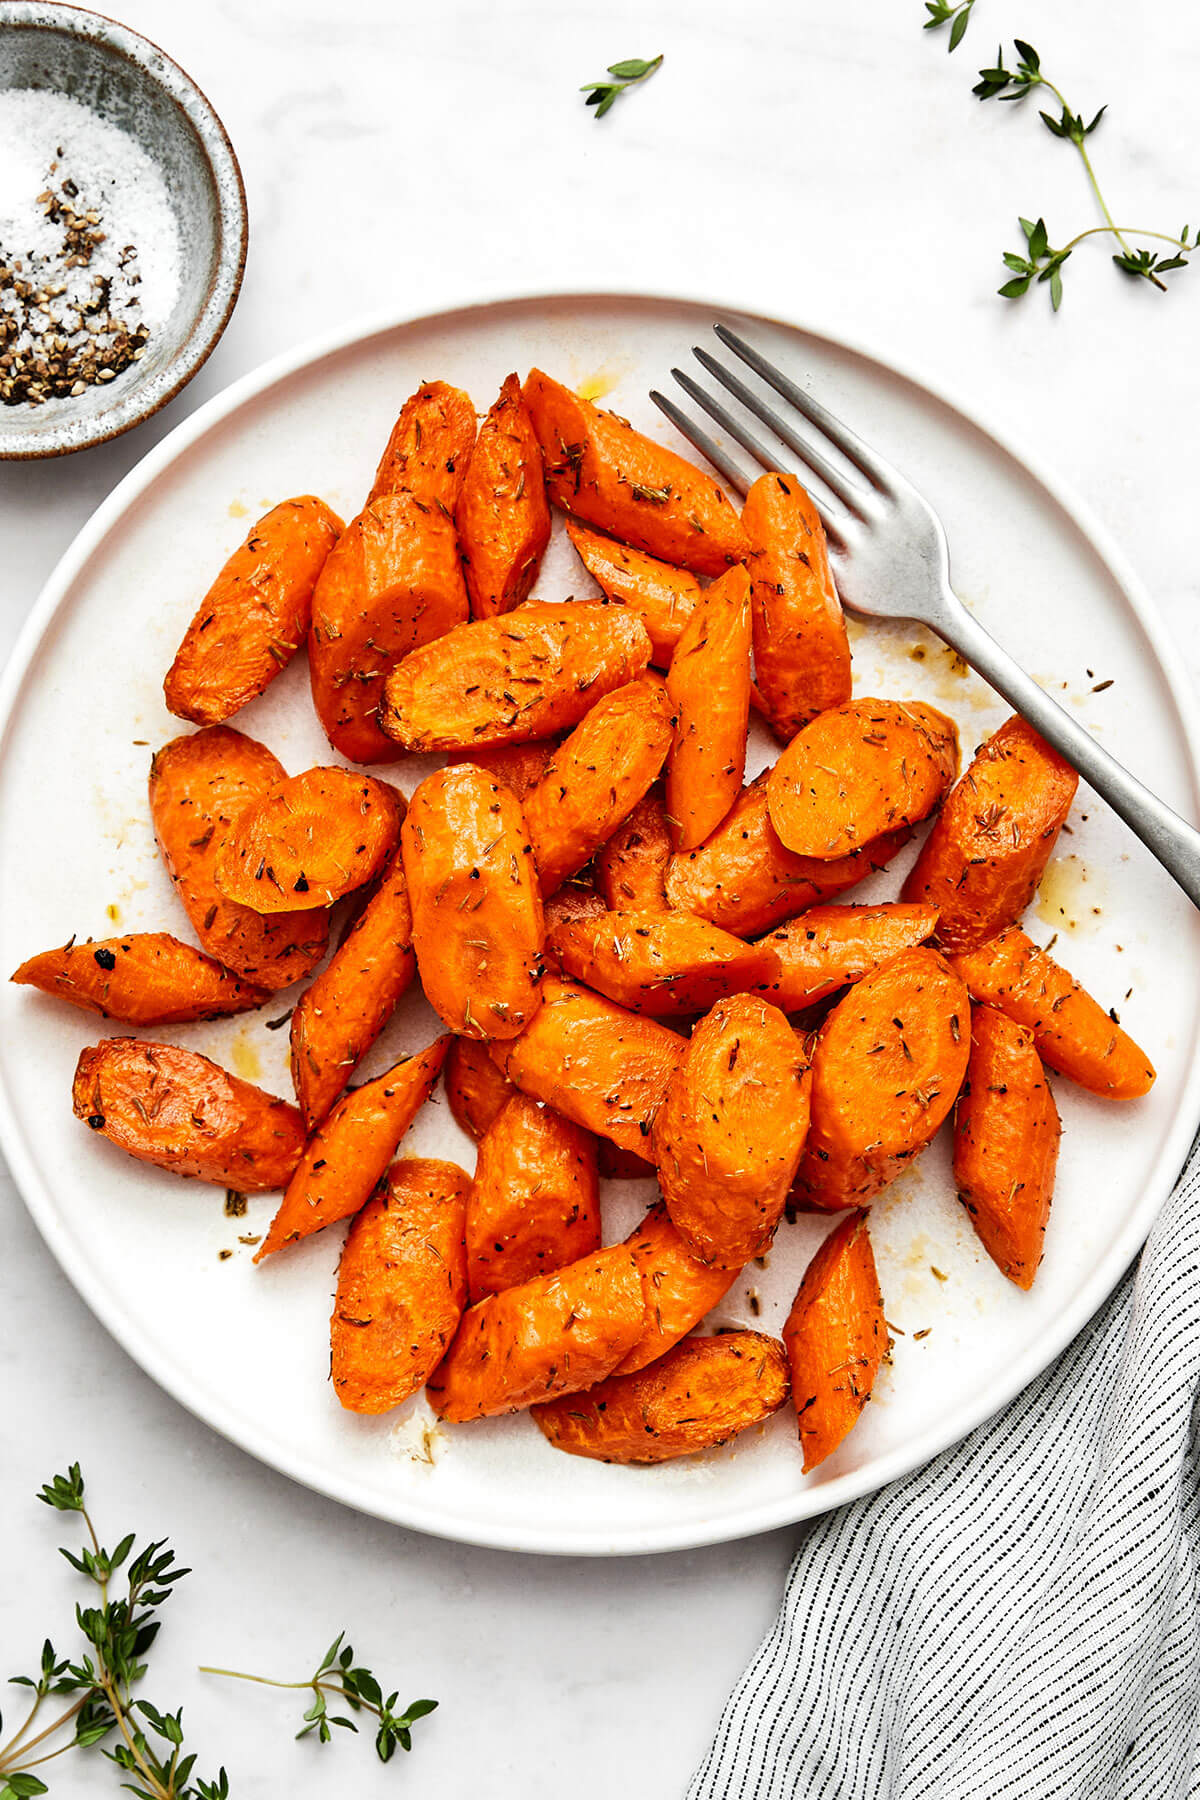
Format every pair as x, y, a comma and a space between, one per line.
106, 78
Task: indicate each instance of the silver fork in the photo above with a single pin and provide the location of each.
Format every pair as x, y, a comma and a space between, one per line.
890, 559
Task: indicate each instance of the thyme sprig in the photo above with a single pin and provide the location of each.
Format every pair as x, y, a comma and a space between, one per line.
98, 1686
603, 94
942, 12
338, 1677
96, 1693
1041, 261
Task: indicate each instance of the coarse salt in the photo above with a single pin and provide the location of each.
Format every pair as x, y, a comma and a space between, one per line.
90, 256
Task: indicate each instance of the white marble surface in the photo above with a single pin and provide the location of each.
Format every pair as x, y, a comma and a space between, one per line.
819, 161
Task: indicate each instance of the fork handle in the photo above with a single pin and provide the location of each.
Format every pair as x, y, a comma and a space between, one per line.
1171, 839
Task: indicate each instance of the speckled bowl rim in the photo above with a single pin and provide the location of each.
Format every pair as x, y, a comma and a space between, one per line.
233, 223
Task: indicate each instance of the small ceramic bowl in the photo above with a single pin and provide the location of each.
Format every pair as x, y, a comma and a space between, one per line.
130, 83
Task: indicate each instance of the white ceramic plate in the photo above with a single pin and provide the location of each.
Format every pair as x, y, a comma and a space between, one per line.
247, 1348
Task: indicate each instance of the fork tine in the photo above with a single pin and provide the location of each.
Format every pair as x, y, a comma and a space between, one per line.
767, 458
847, 491
707, 446
873, 466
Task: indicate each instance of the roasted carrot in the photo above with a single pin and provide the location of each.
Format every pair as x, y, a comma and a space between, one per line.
177, 1109
596, 778
1006, 1132
535, 1201
402, 1286
709, 686
887, 1067
859, 770
703, 1393
516, 766
573, 901
514, 678
678, 1289
663, 963
256, 614
631, 867
198, 786
835, 1339
392, 582
728, 1136
662, 597
145, 978
1072, 1031
502, 513
337, 1018
477, 915
745, 880
475, 1088
350, 1150
988, 850
552, 1335
801, 653
429, 447
594, 1062
601, 470
310, 839
829, 947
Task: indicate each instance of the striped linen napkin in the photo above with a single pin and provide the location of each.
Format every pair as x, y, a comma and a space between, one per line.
1020, 1619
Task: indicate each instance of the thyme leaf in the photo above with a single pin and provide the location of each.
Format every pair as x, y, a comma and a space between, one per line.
603, 94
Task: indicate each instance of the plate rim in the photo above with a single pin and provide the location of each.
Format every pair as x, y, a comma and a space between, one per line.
411, 1513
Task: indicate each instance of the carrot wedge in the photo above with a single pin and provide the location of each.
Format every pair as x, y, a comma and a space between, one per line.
308, 840
702, 1394
828, 947
709, 686
350, 1150
256, 614
745, 880
402, 1286
477, 914
475, 1088
553, 1335
1072, 1032
835, 1339
991, 841
512, 679
595, 779
339, 1015
199, 785
429, 447
801, 653
601, 470
1006, 1132
631, 866
502, 514
666, 964
145, 978
177, 1109
662, 597
392, 583
534, 1204
859, 770
677, 1288
728, 1136
594, 1062
887, 1066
